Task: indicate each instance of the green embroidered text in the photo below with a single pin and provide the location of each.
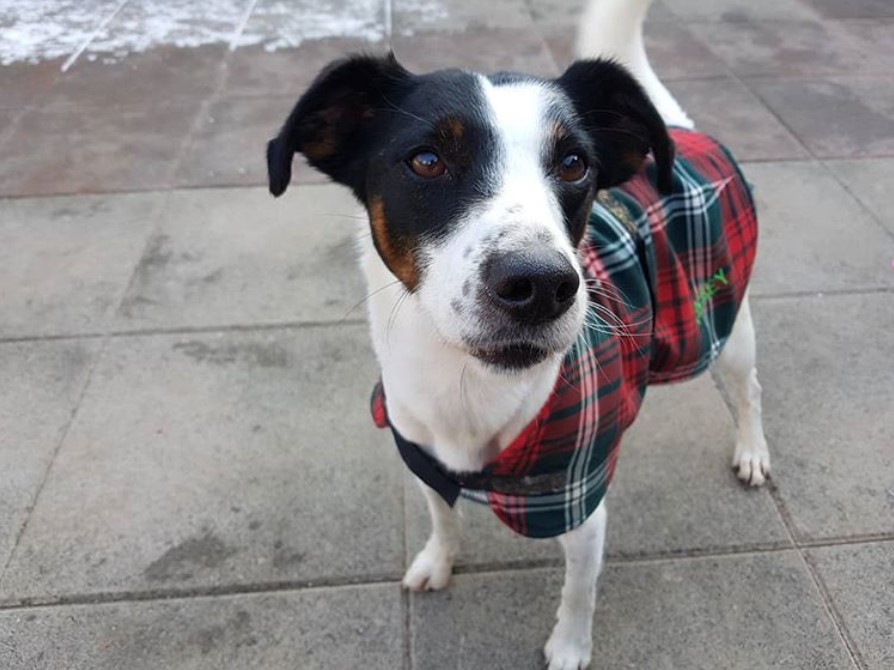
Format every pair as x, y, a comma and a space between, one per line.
707, 292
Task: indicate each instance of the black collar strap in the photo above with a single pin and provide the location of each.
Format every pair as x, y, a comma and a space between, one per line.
449, 484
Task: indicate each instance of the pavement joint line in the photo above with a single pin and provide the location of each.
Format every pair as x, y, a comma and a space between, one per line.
844, 541
154, 221
817, 76
296, 585
822, 590
155, 595
388, 20
765, 161
834, 293
297, 325
189, 139
58, 447
151, 237
406, 602
838, 620
10, 129
185, 330
538, 30
240, 27
744, 82
862, 205
160, 190
409, 645
106, 21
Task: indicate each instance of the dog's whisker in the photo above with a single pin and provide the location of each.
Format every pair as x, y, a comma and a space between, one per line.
392, 316
396, 108
368, 296
599, 287
342, 215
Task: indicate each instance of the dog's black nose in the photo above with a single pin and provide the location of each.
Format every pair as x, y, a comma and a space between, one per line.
531, 286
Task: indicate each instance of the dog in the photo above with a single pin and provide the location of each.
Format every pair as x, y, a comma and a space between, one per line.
539, 251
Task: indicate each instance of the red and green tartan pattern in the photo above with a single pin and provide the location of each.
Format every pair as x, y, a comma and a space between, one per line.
658, 312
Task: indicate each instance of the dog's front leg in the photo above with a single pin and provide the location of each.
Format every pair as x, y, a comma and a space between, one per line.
571, 643
430, 570
736, 364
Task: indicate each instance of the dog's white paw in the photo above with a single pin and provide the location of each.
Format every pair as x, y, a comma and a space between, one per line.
566, 651
752, 462
431, 569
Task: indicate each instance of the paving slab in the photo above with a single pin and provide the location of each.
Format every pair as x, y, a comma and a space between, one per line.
813, 235
558, 14
65, 262
26, 84
36, 31
869, 180
783, 47
201, 460
141, 26
825, 367
552, 14
457, 16
844, 117
876, 35
314, 629
42, 382
858, 578
162, 74
674, 492
757, 611
738, 11
853, 9
726, 109
229, 145
7, 118
237, 256
673, 51
254, 71
482, 49
72, 149
274, 24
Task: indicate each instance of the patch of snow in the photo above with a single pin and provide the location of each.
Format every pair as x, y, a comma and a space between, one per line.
35, 30
426, 12
277, 24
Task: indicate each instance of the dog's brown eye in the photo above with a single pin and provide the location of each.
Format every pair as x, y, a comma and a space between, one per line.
427, 164
572, 167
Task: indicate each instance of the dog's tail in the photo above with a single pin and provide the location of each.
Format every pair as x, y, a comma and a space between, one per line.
614, 29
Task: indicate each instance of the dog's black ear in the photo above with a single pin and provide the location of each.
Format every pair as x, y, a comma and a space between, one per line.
620, 119
328, 122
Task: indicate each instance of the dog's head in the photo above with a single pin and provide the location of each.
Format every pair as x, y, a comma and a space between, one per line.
478, 188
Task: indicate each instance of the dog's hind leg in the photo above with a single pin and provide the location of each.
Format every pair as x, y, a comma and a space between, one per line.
571, 643
430, 570
736, 365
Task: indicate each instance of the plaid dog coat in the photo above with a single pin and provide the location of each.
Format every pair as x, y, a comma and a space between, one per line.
666, 277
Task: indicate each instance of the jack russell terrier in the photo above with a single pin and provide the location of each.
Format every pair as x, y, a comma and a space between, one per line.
541, 250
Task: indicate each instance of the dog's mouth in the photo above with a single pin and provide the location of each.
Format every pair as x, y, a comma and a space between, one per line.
511, 357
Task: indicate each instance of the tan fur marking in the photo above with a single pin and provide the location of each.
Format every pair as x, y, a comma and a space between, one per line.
557, 131
397, 256
456, 128
322, 148
451, 129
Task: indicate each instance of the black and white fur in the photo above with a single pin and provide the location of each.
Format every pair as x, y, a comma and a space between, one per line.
475, 288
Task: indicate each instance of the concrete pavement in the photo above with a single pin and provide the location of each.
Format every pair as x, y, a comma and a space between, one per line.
189, 478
